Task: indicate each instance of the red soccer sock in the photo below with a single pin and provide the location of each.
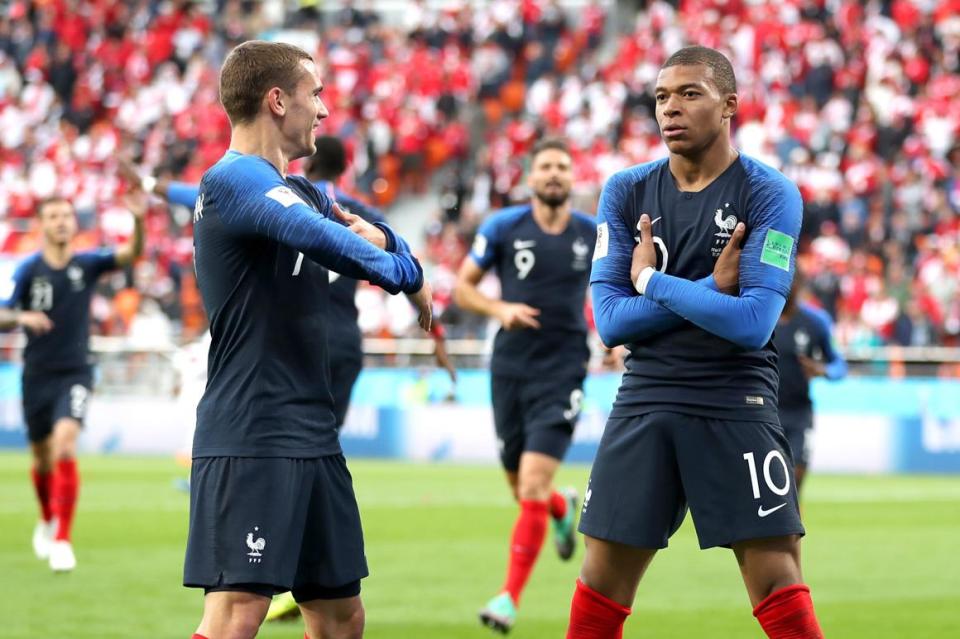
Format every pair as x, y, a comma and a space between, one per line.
41, 483
525, 544
197, 636
593, 616
63, 496
788, 614
558, 505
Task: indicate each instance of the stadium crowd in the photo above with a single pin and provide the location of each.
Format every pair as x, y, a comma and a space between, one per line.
858, 103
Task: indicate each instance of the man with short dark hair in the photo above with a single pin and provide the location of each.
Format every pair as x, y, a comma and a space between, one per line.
541, 252
264, 241
695, 421
51, 301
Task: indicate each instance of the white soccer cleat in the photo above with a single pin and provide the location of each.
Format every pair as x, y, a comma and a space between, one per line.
62, 558
43, 538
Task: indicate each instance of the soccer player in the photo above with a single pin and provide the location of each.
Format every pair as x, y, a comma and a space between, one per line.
804, 341
541, 252
695, 421
51, 301
264, 241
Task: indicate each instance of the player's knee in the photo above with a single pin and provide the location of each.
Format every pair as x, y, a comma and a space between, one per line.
534, 489
349, 626
244, 624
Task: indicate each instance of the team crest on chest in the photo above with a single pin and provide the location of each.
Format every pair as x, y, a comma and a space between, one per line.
75, 275
725, 218
581, 250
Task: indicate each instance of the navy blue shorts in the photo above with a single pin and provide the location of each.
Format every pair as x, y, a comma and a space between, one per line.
268, 525
50, 397
344, 371
736, 477
797, 424
534, 415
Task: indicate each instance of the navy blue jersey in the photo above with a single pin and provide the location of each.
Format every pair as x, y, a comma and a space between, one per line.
545, 271
263, 246
806, 332
675, 363
64, 295
345, 337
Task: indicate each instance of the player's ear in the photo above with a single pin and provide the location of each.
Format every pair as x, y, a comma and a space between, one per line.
276, 101
730, 105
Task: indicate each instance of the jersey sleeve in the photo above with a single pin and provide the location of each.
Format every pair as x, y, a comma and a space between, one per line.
770, 252
183, 194
252, 199
621, 315
16, 288
485, 246
98, 262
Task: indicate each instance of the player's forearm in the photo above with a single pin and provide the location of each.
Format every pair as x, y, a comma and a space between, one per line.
469, 298
623, 317
747, 320
133, 249
9, 319
179, 193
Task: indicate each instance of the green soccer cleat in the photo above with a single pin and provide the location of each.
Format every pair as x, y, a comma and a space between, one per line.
282, 607
564, 531
499, 614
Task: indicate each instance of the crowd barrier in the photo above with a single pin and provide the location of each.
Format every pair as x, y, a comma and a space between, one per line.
862, 425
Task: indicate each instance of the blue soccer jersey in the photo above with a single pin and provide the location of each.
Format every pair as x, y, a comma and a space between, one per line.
693, 349
806, 333
263, 247
64, 295
548, 272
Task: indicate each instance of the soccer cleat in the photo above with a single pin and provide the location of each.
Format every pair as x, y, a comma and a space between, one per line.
564, 532
499, 614
282, 607
43, 538
62, 558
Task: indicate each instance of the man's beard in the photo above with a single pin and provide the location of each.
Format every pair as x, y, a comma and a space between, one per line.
553, 201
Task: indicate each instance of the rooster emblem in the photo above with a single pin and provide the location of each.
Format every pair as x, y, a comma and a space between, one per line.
726, 224
255, 546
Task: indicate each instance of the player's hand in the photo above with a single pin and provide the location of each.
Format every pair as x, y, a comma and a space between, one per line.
35, 321
423, 300
129, 173
726, 272
361, 227
644, 253
136, 203
811, 367
514, 316
443, 358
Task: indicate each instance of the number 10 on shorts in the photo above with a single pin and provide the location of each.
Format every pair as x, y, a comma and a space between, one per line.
768, 480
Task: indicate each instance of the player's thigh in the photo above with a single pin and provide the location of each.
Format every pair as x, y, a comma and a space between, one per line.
247, 518
66, 432
336, 617
551, 409
634, 495
331, 554
738, 478
796, 426
505, 394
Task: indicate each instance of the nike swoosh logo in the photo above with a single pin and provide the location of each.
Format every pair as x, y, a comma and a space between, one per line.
522, 244
763, 513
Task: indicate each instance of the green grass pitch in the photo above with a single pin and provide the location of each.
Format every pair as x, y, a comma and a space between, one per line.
882, 557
